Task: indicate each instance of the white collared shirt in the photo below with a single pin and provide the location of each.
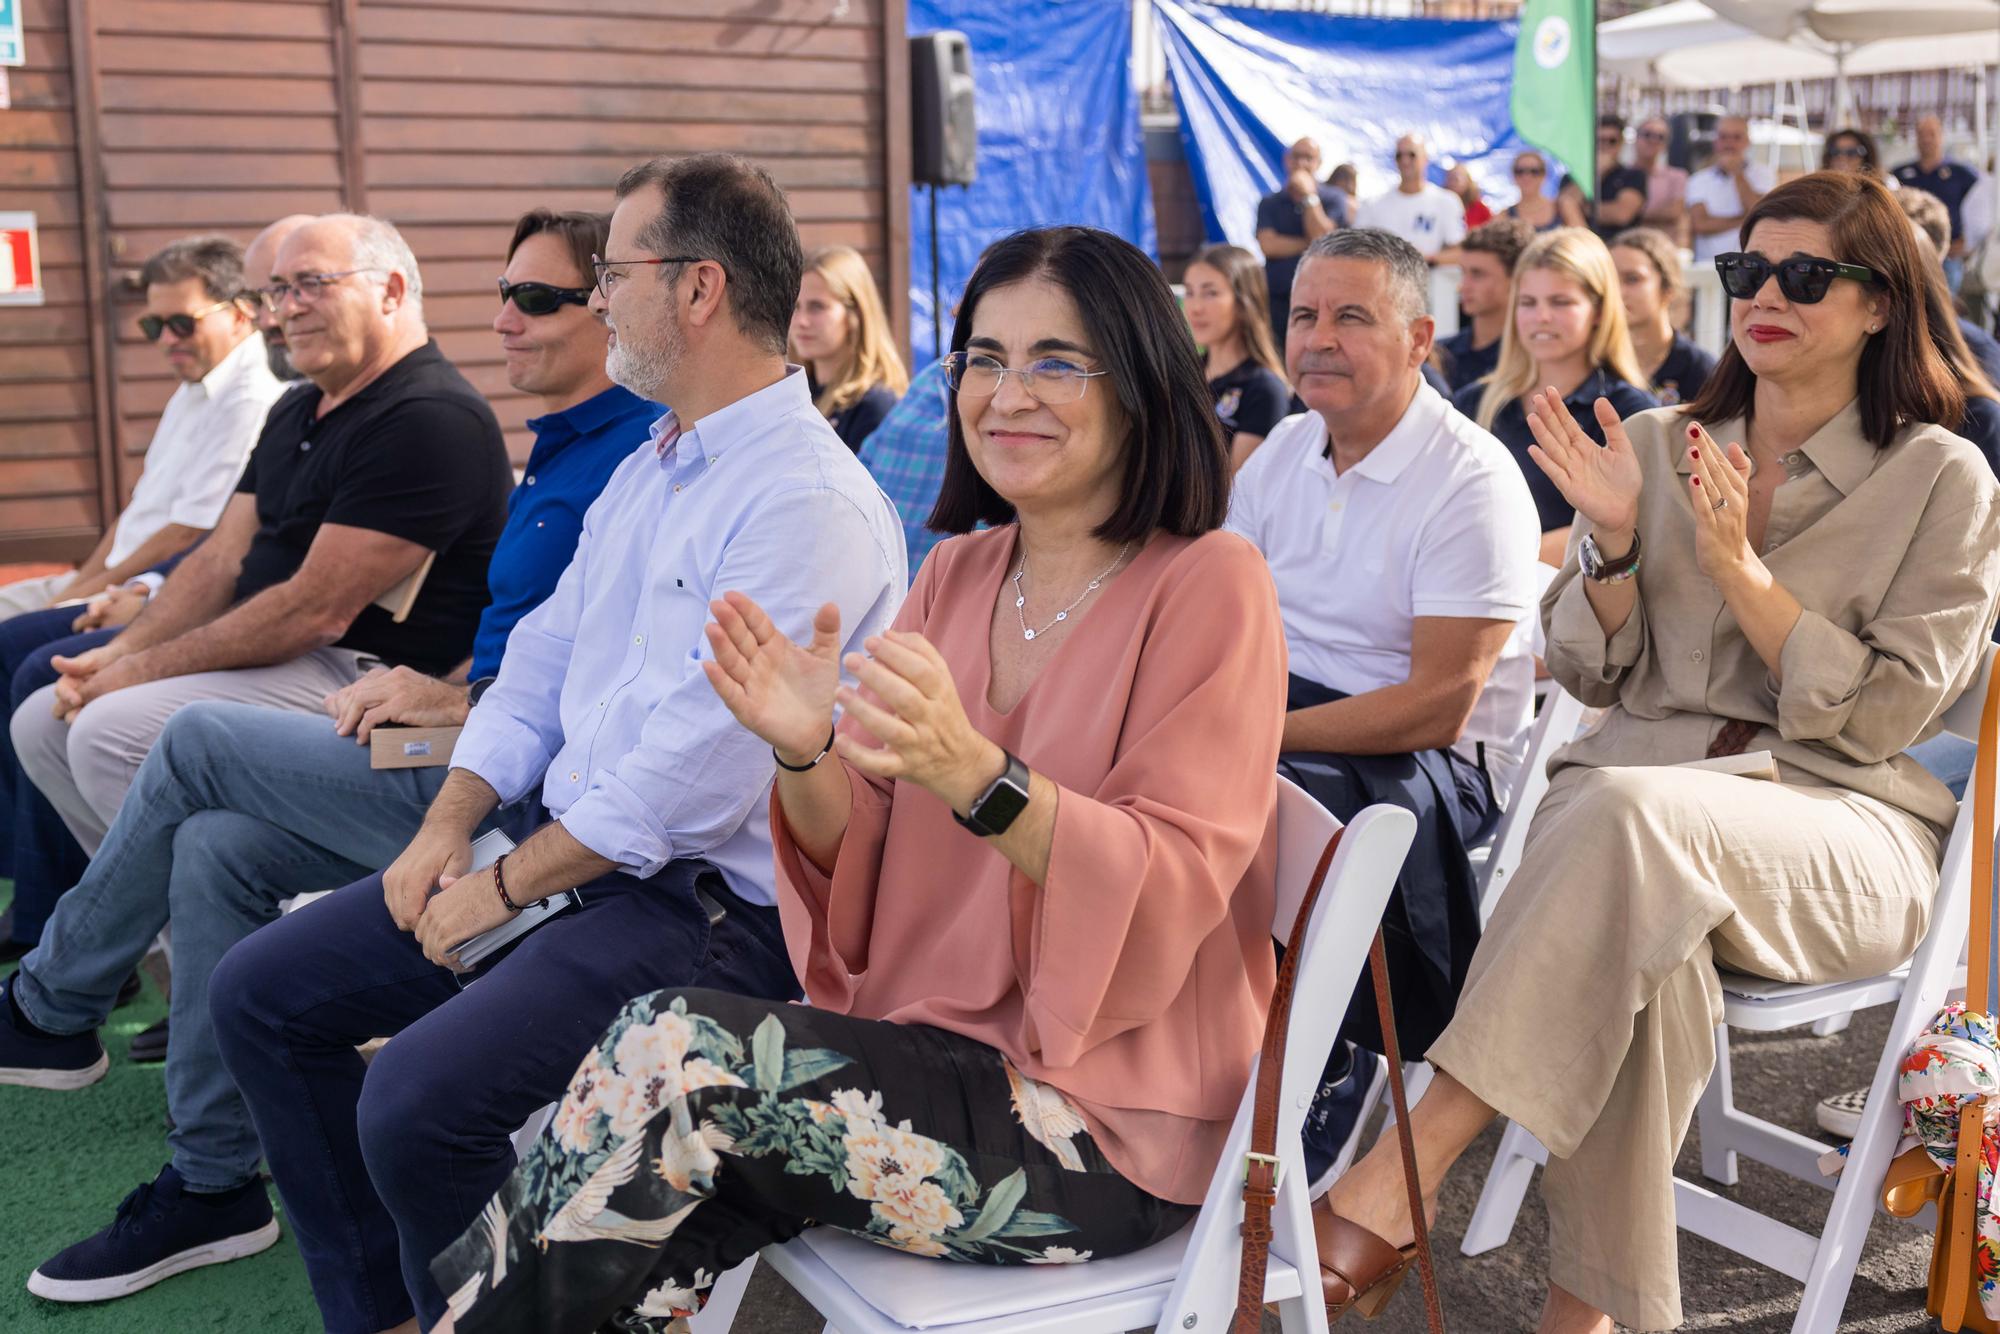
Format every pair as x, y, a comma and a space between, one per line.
1712, 186
1435, 521
601, 696
198, 449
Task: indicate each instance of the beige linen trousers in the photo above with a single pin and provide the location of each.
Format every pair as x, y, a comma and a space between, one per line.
1590, 1011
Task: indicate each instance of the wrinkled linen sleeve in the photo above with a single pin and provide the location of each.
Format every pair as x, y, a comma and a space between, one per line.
1582, 659
1143, 870
1869, 694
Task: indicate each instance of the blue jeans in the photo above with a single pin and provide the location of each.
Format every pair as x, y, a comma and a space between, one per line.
383, 1165
40, 855
1947, 758
235, 809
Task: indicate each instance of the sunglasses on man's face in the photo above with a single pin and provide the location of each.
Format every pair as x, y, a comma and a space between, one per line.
180, 326
533, 299
1802, 278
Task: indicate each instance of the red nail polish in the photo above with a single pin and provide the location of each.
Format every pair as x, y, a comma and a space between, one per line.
1694, 433
1697, 481
1694, 453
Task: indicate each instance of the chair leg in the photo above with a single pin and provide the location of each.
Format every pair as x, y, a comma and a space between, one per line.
1832, 1024
724, 1297
1506, 1187
1834, 1260
1718, 1157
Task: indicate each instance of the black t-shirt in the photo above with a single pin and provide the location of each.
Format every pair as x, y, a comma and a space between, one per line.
1284, 215
1681, 376
1609, 186
1510, 427
1249, 399
417, 455
1951, 182
858, 420
1464, 363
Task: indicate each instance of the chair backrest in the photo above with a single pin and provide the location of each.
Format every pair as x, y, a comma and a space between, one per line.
1331, 955
1962, 718
1555, 726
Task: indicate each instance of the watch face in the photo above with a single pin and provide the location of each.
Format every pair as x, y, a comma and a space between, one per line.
1002, 804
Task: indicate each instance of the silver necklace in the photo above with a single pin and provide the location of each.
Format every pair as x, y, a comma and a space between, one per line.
1021, 600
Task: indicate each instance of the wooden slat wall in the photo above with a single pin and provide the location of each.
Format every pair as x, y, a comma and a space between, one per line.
475, 110
48, 449
449, 117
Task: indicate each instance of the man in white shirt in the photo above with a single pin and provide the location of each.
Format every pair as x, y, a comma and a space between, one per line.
194, 311
1722, 192
1402, 540
1428, 216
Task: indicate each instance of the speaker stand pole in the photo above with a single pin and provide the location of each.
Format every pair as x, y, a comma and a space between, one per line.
937, 312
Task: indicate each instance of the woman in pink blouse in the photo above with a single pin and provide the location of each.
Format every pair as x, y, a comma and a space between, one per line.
1026, 881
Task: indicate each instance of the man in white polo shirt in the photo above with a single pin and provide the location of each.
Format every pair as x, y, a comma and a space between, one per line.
1402, 540
1428, 216
209, 336
1722, 192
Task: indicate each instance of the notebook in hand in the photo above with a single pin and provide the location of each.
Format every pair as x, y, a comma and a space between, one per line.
487, 849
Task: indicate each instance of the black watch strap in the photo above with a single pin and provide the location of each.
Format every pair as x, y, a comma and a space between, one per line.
1001, 803
478, 688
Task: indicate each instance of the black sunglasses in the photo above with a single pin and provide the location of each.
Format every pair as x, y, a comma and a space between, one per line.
533, 299
180, 326
1802, 278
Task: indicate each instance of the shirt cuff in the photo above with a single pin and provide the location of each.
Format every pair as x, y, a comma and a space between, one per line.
1823, 669
1574, 632
149, 581
502, 752
614, 823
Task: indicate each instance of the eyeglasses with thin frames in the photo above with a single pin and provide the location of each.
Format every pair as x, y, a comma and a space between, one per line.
1050, 380
307, 287
608, 277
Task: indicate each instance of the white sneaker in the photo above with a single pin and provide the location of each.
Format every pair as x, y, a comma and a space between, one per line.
1840, 1113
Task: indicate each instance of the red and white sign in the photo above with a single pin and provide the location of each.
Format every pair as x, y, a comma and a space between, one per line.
20, 260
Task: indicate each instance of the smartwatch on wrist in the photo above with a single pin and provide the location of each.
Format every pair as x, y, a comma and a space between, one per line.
995, 809
478, 688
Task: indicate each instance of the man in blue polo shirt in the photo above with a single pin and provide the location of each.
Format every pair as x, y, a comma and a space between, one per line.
1950, 181
238, 808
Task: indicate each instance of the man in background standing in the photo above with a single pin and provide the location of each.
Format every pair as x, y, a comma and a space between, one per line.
1292, 219
1722, 192
1428, 216
1949, 180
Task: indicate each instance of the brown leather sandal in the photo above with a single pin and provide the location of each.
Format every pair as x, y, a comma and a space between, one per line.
1366, 1270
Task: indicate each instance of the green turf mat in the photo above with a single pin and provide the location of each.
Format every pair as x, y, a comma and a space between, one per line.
67, 1159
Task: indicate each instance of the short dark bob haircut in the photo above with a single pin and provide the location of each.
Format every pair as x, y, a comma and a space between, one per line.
1902, 378
1176, 459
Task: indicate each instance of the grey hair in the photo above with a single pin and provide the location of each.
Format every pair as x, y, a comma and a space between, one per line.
378, 245
1409, 273
216, 260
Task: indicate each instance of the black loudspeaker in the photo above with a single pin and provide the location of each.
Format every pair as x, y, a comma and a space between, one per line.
945, 142
1690, 139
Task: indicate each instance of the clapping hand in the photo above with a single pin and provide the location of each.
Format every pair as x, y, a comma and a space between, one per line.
781, 691
909, 703
1601, 482
1719, 492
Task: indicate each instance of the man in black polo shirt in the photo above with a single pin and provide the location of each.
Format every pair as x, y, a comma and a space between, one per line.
358, 535
1950, 181
1621, 190
1291, 219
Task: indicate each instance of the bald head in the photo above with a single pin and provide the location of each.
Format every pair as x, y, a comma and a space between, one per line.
1732, 141
258, 262
353, 297
1411, 159
1303, 156
1930, 142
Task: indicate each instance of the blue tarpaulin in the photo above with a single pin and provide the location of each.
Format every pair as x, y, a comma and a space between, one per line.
1252, 81
1059, 137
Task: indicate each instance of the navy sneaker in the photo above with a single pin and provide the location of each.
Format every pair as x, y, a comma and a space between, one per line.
162, 1229
1352, 1081
34, 1059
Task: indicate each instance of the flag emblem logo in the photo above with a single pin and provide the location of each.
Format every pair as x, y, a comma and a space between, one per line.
1552, 41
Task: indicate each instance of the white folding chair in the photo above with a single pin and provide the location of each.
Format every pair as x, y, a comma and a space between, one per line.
1824, 1263
1189, 1280
1494, 862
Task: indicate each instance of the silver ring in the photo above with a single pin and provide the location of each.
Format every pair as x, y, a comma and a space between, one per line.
1721, 504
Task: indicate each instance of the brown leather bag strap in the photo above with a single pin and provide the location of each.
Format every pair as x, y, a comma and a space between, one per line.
1378, 965
1260, 1172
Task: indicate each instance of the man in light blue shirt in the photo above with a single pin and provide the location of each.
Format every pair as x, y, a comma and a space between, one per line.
606, 753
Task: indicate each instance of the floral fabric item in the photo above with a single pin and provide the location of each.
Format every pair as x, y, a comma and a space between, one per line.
1958, 1059
705, 1125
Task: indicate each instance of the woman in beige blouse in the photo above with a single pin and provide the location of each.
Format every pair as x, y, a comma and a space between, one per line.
1820, 588
1026, 883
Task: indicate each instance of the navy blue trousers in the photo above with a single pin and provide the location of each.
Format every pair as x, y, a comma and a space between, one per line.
383, 1165
36, 849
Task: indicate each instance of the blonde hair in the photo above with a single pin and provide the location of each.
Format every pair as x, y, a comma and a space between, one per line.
1578, 254
870, 357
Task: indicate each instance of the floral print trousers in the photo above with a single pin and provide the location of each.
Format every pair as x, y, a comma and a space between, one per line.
706, 1125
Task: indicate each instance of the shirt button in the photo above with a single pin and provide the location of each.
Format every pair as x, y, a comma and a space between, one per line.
677, 489
572, 776
529, 479
638, 639
1697, 655
538, 523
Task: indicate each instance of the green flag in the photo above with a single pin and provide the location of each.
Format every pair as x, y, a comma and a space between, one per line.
1555, 84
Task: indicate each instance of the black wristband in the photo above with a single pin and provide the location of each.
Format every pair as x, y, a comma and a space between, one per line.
814, 761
